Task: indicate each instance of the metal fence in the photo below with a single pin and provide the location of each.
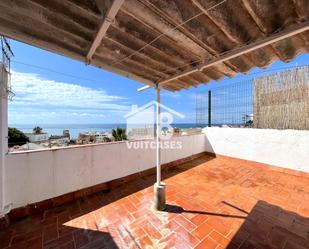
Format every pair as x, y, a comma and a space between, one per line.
6, 53
228, 105
5, 59
278, 101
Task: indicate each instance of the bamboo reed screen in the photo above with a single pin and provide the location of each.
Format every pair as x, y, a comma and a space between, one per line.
281, 100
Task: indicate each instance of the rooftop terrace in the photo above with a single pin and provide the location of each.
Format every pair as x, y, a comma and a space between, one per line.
227, 203
213, 202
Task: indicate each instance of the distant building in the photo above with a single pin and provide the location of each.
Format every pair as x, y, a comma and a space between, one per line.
37, 137
92, 137
100, 137
146, 132
46, 141
59, 140
66, 133
83, 138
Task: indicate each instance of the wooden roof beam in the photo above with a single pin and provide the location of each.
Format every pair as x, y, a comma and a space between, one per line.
107, 21
302, 27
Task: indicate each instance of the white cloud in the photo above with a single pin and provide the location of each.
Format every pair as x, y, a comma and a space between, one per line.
37, 97
171, 95
184, 94
32, 89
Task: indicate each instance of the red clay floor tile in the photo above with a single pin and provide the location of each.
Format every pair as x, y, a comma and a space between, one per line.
226, 203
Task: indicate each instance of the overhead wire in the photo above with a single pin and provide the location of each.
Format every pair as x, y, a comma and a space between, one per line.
165, 33
53, 71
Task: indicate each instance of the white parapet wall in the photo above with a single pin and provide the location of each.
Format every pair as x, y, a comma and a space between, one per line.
39, 175
283, 148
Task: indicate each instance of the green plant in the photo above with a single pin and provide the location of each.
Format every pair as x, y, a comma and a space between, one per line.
17, 137
37, 130
119, 134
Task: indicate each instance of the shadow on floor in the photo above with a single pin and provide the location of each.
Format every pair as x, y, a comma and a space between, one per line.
178, 210
270, 226
52, 235
82, 238
266, 226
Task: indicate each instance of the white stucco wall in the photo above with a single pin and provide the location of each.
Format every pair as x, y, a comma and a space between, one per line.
37, 137
34, 176
38, 175
283, 148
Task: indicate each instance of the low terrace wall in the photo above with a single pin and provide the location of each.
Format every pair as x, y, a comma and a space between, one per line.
284, 148
34, 176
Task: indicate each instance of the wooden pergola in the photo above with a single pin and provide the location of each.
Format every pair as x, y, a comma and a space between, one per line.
175, 44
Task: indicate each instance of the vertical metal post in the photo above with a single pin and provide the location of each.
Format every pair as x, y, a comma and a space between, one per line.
158, 132
3, 136
209, 108
159, 187
159, 202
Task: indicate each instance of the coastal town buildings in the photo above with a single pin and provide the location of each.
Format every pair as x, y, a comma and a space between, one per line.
93, 137
37, 137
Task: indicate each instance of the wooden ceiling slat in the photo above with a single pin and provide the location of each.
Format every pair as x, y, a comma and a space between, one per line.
246, 49
224, 68
132, 24
145, 15
147, 62
196, 32
42, 27
130, 66
70, 10
46, 16
134, 42
106, 22
108, 54
166, 57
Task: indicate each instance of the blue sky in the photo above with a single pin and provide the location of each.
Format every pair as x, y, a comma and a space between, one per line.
44, 97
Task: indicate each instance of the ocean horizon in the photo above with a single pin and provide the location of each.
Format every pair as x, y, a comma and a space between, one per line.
75, 129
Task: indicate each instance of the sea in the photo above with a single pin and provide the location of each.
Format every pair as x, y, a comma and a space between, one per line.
75, 129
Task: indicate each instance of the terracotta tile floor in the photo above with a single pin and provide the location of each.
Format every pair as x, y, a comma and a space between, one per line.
212, 203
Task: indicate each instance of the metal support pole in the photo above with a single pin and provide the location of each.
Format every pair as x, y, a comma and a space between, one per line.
4, 208
158, 151
209, 108
159, 187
